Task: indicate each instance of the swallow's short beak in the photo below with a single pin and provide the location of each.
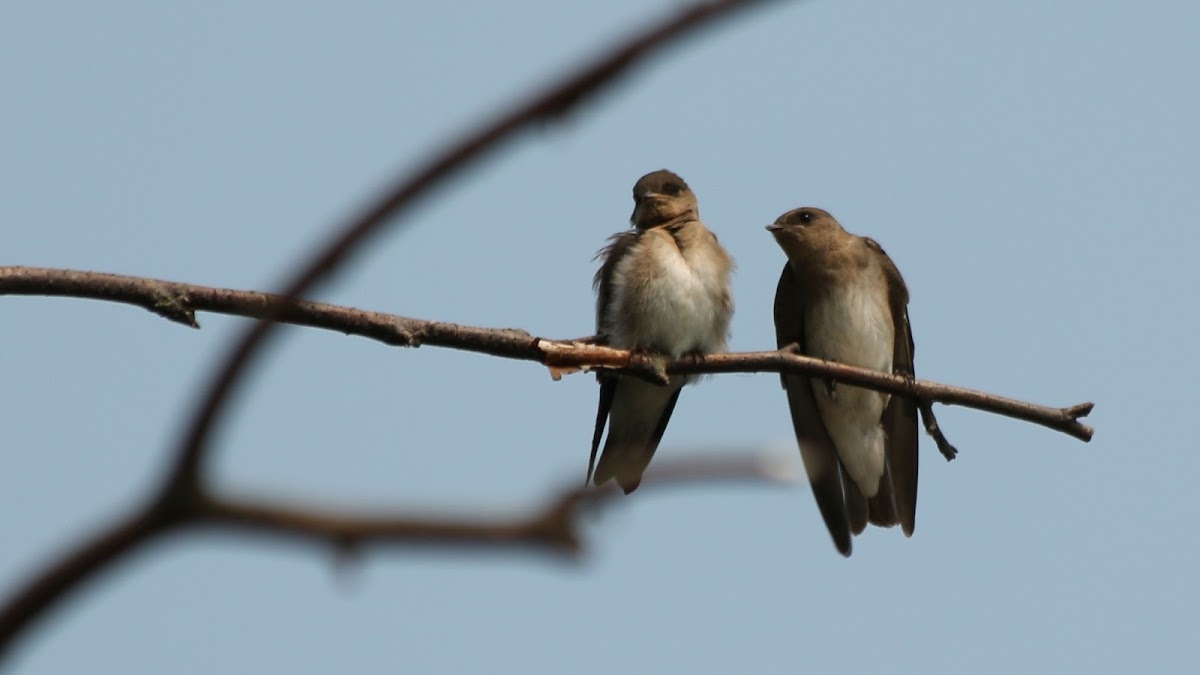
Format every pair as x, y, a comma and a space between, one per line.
774, 227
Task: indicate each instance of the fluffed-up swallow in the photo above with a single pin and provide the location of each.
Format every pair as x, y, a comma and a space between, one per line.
841, 298
663, 287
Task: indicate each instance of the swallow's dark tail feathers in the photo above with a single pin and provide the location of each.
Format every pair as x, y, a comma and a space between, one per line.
638, 416
840, 513
858, 507
859, 510
882, 508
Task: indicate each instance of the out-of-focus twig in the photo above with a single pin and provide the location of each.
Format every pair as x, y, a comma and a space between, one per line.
551, 528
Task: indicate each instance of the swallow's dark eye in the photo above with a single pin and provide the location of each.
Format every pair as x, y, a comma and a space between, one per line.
672, 189
799, 218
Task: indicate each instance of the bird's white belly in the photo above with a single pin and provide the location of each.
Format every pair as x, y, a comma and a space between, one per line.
853, 325
676, 308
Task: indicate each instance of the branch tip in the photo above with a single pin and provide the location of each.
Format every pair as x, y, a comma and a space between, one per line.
934, 430
1079, 410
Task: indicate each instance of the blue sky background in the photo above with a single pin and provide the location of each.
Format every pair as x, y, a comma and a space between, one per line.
1034, 171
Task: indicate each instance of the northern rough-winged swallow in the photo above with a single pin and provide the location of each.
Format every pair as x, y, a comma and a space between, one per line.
663, 287
842, 299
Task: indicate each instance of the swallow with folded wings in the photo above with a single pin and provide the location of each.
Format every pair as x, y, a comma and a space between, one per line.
662, 287
841, 298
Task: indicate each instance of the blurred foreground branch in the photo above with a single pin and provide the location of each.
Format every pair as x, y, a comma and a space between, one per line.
553, 528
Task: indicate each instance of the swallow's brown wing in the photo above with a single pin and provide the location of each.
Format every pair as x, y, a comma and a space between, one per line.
617, 248
816, 449
900, 417
618, 245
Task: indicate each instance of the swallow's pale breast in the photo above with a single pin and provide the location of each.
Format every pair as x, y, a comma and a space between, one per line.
670, 292
850, 322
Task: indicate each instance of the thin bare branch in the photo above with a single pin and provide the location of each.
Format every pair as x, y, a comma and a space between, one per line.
1065, 420
559, 355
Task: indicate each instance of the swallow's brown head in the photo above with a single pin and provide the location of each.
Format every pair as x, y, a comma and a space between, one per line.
805, 232
660, 198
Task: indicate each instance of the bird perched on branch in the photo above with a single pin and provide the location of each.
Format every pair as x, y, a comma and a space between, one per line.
841, 298
662, 288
